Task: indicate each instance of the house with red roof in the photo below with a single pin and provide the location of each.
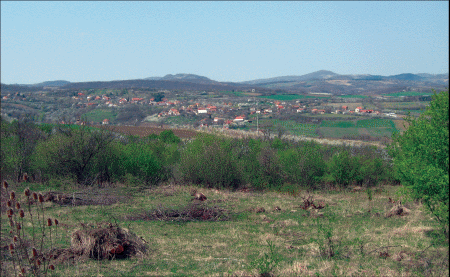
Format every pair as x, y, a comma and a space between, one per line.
239, 119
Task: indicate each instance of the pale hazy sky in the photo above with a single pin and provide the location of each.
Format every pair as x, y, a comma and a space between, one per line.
224, 41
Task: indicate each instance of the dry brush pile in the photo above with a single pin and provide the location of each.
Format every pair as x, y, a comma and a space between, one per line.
32, 244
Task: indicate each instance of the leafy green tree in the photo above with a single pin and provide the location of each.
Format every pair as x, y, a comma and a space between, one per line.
303, 166
207, 161
168, 136
19, 139
140, 161
73, 153
421, 158
343, 169
158, 96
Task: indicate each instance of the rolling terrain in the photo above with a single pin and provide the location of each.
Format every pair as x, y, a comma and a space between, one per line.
322, 81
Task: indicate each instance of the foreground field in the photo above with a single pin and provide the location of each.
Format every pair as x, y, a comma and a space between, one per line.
247, 232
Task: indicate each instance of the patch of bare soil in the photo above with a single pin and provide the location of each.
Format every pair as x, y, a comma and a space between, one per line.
339, 82
191, 212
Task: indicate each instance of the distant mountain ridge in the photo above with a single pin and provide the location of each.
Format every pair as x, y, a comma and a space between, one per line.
57, 83
329, 75
319, 81
183, 77
321, 74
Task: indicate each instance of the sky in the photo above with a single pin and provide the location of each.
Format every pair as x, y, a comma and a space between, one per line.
224, 41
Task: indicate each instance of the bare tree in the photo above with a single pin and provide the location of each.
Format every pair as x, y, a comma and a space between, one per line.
266, 128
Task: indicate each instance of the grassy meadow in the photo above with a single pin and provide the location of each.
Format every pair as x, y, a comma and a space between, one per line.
349, 236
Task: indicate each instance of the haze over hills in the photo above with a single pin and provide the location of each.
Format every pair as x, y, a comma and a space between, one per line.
319, 81
321, 74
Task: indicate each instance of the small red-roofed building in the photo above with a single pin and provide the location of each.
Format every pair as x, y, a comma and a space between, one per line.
239, 119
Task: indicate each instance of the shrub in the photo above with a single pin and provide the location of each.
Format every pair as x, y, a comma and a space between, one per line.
304, 166
72, 153
421, 158
207, 161
343, 169
140, 161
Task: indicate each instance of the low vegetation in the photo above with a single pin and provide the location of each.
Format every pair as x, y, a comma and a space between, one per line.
99, 202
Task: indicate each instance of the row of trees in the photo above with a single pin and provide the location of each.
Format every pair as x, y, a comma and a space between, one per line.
87, 155
269, 164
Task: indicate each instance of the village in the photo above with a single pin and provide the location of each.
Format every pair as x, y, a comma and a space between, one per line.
224, 114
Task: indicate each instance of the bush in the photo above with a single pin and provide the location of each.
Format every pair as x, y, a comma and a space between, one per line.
73, 153
343, 169
372, 171
206, 161
141, 163
421, 158
269, 174
304, 166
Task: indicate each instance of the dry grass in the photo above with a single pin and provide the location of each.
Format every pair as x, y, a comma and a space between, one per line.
223, 235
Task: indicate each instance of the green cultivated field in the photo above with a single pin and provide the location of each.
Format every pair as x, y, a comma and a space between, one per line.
336, 132
98, 115
338, 124
374, 127
409, 93
288, 97
375, 123
297, 129
236, 93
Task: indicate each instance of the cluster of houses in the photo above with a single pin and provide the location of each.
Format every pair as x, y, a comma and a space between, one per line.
231, 113
176, 107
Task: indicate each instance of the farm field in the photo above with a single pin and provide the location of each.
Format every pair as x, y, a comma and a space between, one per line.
405, 105
288, 97
350, 105
374, 127
236, 93
297, 129
336, 132
409, 93
242, 233
98, 115
352, 96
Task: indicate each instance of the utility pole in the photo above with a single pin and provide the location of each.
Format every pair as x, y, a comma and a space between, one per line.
257, 122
